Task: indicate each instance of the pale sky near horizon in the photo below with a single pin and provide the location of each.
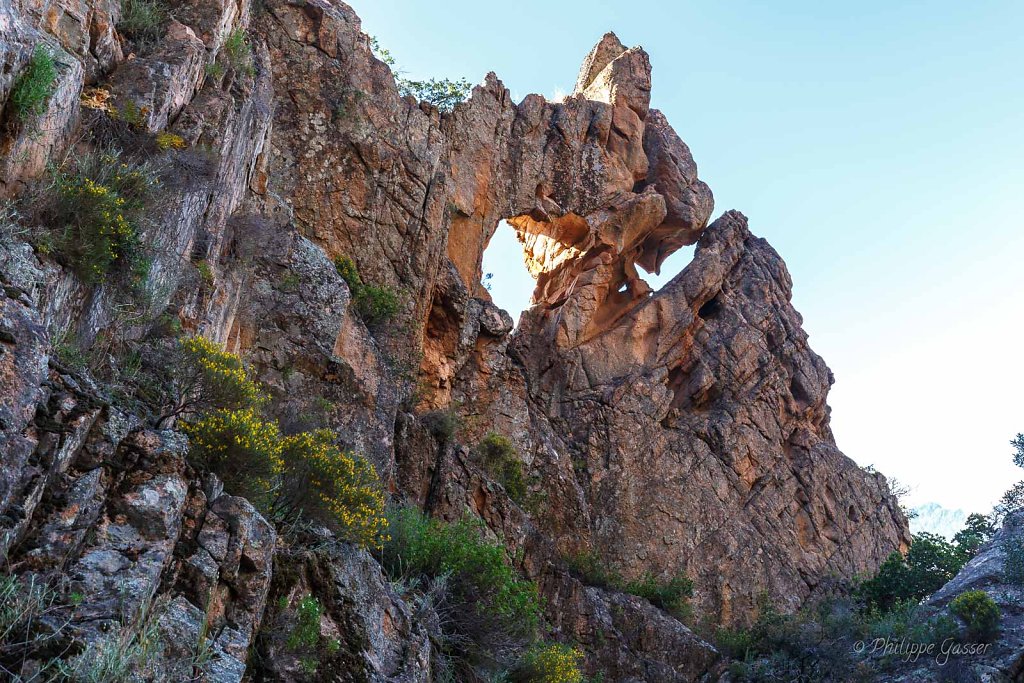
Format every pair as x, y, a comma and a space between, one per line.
878, 146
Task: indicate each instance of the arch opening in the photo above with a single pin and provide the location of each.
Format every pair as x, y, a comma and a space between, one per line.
672, 266
504, 272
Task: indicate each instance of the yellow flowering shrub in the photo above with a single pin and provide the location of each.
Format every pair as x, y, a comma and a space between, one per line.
241, 448
165, 141
340, 489
98, 207
203, 376
551, 663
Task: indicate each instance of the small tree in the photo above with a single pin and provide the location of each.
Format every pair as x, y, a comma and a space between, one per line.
977, 530
202, 376
374, 304
929, 564
443, 93
1013, 499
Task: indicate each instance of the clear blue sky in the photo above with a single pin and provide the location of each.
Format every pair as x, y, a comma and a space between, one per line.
879, 146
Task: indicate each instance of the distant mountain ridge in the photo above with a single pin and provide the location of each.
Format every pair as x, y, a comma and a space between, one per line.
936, 519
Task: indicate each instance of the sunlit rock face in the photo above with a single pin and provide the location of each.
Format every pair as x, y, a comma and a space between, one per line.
686, 428
683, 430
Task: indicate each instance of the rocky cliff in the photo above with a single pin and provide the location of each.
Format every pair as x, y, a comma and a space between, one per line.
680, 430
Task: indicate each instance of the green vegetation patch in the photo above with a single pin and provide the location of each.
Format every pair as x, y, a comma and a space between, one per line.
550, 663
499, 458
34, 86
97, 209
143, 21
672, 594
239, 52
374, 304
979, 613
489, 614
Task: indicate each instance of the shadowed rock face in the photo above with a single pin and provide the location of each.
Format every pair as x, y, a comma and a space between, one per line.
679, 430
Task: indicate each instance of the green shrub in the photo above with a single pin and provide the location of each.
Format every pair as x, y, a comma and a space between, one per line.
832, 639
815, 644
205, 273
442, 423
239, 52
939, 628
979, 613
550, 663
672, 595
514, 481
376, 304
443, 93
339, 489
98, 208
906, 619
490, 613
499, 458
433, 548
494, 450
589, 567
34, 86
305, 639
241, 448
142, 21
930, 563
306, 631
215, 70
735, 643
201, 376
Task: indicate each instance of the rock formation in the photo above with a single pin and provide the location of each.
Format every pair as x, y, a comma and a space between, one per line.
679, 430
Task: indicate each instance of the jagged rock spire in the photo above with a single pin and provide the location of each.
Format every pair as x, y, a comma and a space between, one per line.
602, 54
